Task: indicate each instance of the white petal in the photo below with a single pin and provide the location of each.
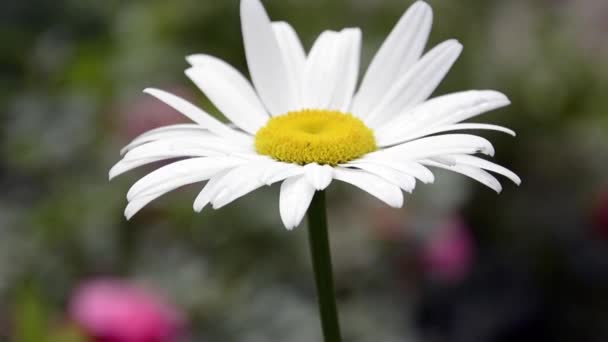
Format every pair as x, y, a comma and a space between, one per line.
475, 173
487, 165
279, 172
388, 140
331, 70
142, 198
440, 145
196, 114
265, 60
319, 176
372, 184
295, 198
402, 165
128, 165
347, 69
293, 54
319, 78
173, 128
403, 180
228, 195
179, 173
417, 84
136, 205
239, 182
209, 191
168, 132
442, 110
175, 148
202, 138
230, 92
445, 159
398, 53
228, 186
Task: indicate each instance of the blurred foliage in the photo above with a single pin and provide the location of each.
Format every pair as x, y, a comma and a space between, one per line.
31, 317
71, 74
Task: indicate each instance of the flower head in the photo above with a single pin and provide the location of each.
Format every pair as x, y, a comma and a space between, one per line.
115, 311
302, 123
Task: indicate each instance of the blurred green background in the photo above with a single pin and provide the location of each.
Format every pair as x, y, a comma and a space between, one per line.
533, 261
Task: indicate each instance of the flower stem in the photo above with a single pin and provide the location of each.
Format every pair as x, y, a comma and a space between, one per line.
321, 262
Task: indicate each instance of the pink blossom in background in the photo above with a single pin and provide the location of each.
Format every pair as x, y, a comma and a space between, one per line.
110, 310
448, 254
600, 215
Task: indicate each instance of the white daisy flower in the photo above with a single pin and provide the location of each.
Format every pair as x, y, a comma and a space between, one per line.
302, 123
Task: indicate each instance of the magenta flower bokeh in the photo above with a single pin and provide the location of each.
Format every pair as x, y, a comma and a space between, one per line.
600, 214
111, 310
448, 255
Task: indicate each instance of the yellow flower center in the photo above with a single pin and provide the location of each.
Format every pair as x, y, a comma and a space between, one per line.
315, 136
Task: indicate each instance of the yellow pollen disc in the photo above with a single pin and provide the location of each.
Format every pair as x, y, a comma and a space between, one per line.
315, 136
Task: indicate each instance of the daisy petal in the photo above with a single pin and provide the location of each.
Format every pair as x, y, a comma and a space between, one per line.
331, 70
417, 84
384, 141
372, 184
442, 110
179, 173
168, 132
176, 148
407, 167
226, 196
141, 199
487, 165
209, 191
319, 176
404, 181
227, 179
398, 53
280, 172
319, 80
202, 137
265, 60
229, 91
348, 69
239, 182
196, 114
295, 198
128, 165
445, 159
440, 145
293, 54
475, 173
139, 203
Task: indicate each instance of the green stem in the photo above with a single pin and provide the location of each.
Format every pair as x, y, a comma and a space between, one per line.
321, 262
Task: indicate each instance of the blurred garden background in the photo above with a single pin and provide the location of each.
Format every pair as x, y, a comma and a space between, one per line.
457, 263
